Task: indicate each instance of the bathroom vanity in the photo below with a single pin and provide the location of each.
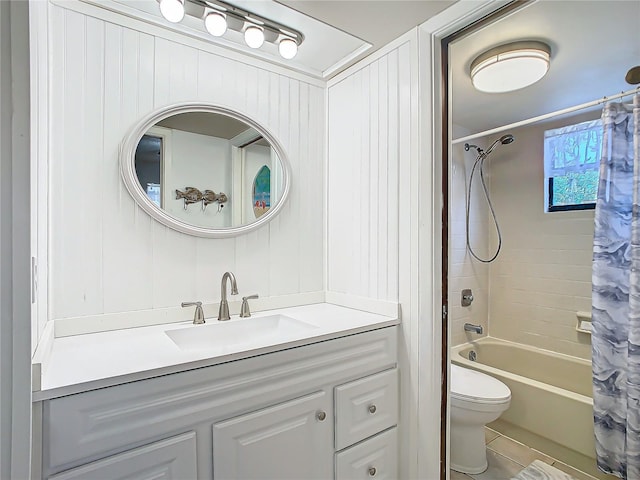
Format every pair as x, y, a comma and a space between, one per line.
321, 403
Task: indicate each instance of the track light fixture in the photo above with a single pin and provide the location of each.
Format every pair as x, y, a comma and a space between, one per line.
219, 17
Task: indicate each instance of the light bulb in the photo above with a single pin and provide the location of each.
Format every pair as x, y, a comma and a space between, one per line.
215, 23
172, 10
288, 48
254, 36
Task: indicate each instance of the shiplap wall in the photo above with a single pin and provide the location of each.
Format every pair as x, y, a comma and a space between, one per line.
368, 134
106, 254
372, 192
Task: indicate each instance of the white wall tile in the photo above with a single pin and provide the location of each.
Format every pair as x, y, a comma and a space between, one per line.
464, 270
543, 274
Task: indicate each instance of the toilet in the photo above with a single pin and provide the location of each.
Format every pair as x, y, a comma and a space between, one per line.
476, 399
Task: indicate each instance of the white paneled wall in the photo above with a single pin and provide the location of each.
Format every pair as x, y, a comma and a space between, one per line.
368, 134
106, 254
543, 274
464, 270
372, 197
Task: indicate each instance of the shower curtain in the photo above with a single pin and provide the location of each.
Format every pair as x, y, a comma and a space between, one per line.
616, 295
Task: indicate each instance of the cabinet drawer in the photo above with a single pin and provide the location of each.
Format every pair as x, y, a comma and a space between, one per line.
173, 458
365, 407
373, 459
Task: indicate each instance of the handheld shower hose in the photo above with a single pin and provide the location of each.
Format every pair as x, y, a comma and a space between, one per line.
482, 155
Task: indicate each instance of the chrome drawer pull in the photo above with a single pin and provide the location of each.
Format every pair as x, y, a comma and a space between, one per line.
372, 410
321, 416
372, 471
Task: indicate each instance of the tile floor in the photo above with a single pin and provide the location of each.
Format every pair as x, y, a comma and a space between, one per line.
507, 457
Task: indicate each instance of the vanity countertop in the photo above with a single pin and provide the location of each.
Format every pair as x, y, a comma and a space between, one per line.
86, 362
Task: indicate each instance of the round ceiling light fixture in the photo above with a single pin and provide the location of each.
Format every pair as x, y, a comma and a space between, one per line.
510, 67
288, 48
172, 10
254, 36
215, 23
633, 75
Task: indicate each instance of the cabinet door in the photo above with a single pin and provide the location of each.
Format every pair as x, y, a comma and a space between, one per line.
291, 440
173, 458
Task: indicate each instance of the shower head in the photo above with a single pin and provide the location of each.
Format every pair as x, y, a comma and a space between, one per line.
504, 140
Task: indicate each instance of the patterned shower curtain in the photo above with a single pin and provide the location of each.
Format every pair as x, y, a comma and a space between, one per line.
616, 295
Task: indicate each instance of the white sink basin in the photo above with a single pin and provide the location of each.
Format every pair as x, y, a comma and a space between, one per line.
245, 332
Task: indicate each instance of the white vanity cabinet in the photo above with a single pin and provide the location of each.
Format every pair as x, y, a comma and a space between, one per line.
318, 411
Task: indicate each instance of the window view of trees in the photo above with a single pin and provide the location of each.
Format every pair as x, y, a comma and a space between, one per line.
575, 188
572, 163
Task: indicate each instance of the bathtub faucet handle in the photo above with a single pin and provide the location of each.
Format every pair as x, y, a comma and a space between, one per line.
467, 297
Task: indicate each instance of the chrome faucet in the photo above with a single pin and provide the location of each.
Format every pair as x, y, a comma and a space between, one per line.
223, 312
470, 327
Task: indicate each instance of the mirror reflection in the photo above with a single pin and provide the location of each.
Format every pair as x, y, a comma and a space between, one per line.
209, 169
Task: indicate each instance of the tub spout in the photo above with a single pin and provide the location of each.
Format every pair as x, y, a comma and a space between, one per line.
470, 327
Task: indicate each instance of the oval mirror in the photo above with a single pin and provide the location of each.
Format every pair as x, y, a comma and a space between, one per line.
205, 170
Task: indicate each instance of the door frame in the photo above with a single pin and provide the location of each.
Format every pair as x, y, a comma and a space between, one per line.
480, 18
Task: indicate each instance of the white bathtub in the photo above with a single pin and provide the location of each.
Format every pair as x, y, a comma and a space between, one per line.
550, 392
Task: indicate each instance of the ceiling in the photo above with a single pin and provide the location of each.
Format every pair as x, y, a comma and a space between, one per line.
337, 33
206, 123
377, 22
593, 45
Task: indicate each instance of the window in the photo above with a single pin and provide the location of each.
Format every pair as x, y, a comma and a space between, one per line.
571, 166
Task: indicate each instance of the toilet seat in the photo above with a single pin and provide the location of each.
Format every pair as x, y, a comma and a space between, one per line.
472, 387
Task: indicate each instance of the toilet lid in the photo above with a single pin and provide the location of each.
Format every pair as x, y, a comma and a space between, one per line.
472, 385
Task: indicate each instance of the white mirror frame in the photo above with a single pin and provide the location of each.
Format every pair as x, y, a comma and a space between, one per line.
130, 178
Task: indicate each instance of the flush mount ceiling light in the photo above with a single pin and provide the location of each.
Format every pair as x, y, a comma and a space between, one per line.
220, 17
510, 67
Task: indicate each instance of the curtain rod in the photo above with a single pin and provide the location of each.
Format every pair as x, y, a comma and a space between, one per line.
539, 118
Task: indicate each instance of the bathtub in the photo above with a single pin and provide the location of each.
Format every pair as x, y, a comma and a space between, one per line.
551, 393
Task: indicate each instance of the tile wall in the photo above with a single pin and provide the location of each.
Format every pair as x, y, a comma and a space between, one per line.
542, 277
464, 271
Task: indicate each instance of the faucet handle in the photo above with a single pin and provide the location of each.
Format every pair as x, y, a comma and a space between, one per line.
244, 309
198, 316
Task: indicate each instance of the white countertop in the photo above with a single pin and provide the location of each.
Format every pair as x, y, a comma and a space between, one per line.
86, 362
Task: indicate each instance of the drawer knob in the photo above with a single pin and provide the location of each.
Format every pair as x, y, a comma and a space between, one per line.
321, 416
372, 410
372, 471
